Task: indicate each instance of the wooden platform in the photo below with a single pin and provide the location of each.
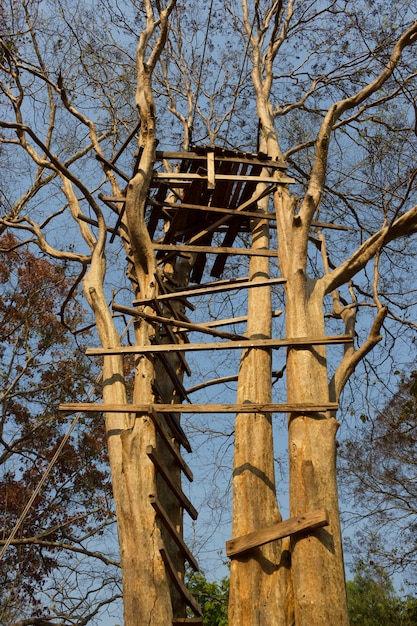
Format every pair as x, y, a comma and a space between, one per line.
217, 190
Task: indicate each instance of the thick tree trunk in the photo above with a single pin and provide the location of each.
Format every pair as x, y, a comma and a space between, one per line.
317, 559
257, 578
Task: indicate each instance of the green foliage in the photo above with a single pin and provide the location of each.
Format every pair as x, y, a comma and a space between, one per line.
212, 596
372, 600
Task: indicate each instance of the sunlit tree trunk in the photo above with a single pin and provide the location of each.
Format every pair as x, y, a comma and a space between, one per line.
317, 559
257, 578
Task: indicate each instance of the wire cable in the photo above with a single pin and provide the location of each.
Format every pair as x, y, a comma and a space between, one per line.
201, 71
51, 464
40, 484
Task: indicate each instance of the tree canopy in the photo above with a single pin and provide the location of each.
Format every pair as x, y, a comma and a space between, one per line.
372, 600
379, 467
53, 558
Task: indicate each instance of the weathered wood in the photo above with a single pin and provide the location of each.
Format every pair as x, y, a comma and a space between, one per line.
170, 247
118, 171
86, 407
181, 588
208, 288
163, 471
211, 209
235, 320
173, 532
174, 338
182, 325
170, 370
175, 453
185, 176
302, 523
238, 158
295, 342
89, 220
211, 178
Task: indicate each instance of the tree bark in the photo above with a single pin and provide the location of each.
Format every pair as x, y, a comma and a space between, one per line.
317, 558
257, 578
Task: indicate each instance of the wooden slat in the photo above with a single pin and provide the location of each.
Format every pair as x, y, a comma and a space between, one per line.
163, 471
211, 179
178, 249
173, 532
211, 209
218, 286
181, 588
238, 158
302, 523
174, 338
73, 407
181, 324
118, 171
186, 176
235, 320
173, 450
293, 342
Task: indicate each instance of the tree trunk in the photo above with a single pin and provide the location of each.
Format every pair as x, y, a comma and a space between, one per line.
257, 578
317, 559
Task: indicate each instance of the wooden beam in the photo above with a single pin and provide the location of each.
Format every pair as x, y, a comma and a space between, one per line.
235, 320
100, 158
229, 285
73, 407
173, 450
181, 325
238, 158
211, 177
186, 176
292, 342
210, 209
302, 523
163, 471
181, 588
232, 212
173, 532
178, 249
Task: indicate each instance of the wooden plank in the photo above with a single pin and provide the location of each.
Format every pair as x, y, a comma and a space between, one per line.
217, 286
163, 471
89, 220
181, 324
173, 532
302, 523
235, 320
238, 158
186, 176
173, 450
181, 588
292, 342
172, 374
232, 212
211, 178
211, 209
100, 158
178, 249
73, 407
